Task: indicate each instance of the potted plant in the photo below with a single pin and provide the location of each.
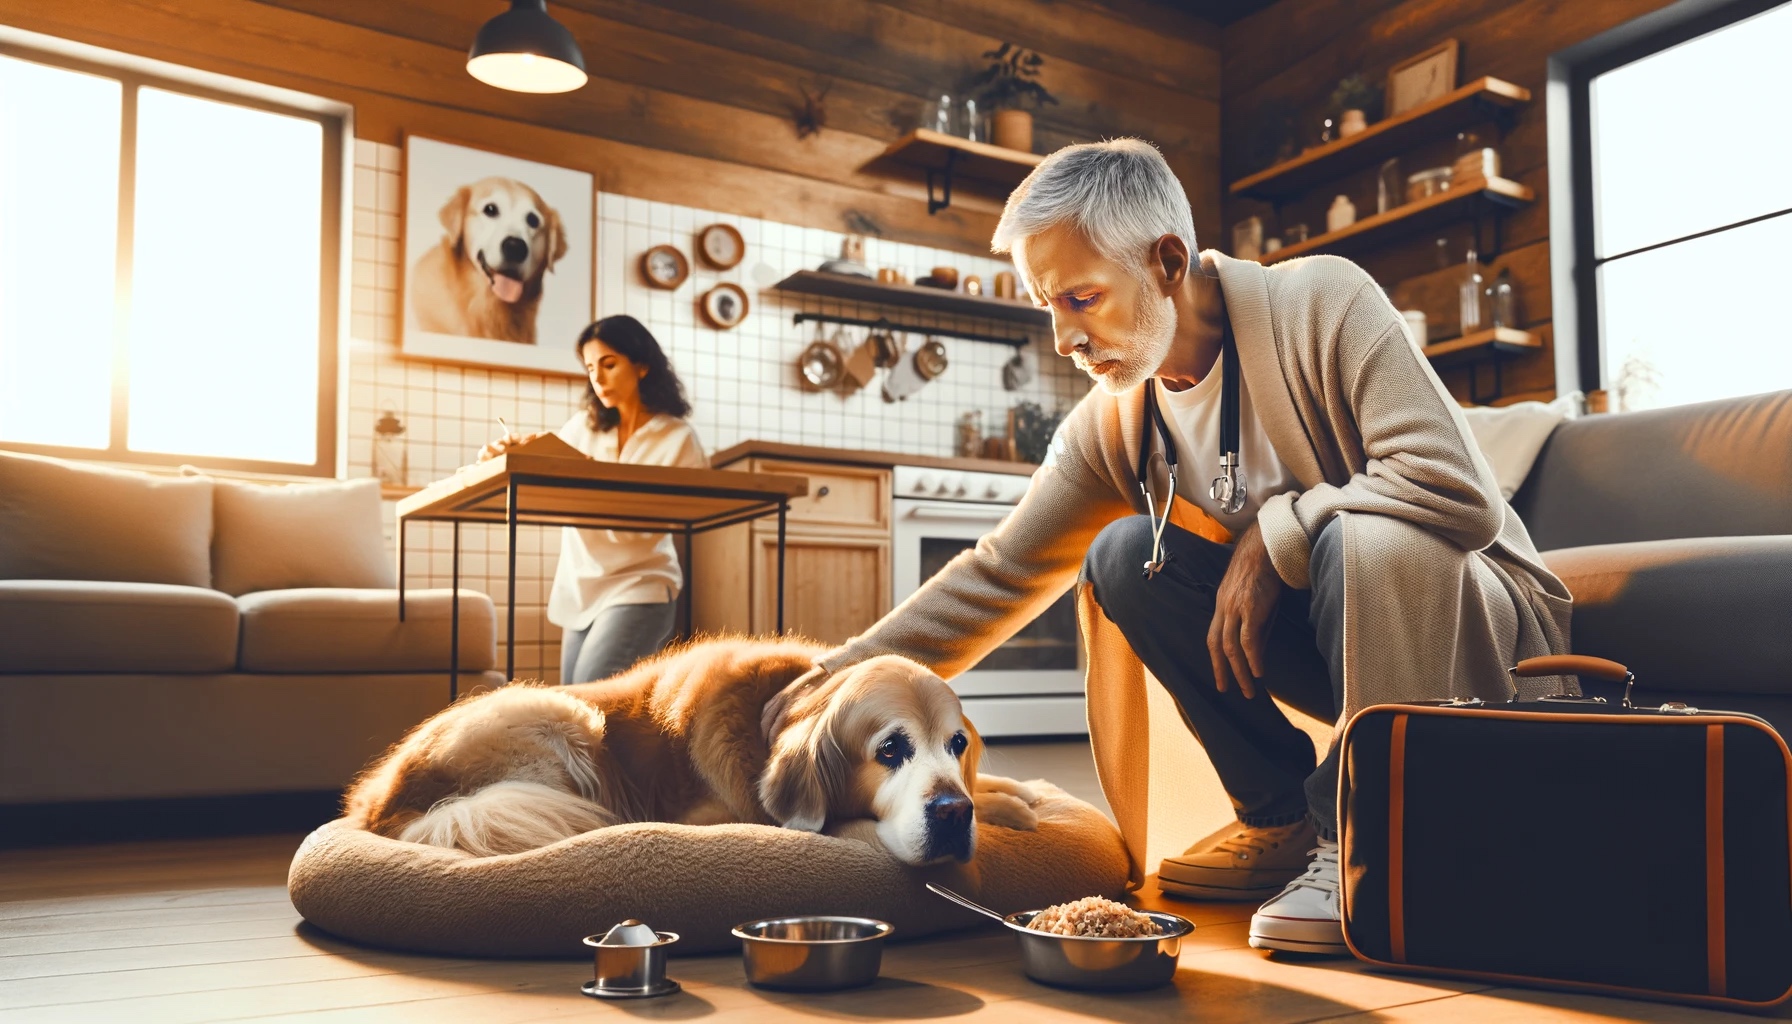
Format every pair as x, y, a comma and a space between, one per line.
1357, 102
1010, 82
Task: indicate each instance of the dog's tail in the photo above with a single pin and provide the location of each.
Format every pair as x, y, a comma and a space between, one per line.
506, 817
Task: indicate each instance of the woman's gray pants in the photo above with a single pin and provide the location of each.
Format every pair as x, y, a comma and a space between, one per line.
1263, 760
621, 635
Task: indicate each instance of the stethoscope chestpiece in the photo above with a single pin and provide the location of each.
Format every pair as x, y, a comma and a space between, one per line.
1228, 488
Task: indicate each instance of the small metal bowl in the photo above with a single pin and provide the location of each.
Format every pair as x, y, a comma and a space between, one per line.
1098, 964
812, 954
630, 972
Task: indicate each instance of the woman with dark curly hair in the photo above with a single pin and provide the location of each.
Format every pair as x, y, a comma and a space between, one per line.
614, 593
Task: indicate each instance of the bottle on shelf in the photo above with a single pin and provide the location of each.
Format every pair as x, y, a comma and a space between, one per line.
1470, 297
1500, 300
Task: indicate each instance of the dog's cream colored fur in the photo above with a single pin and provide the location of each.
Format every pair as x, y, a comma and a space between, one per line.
710, 733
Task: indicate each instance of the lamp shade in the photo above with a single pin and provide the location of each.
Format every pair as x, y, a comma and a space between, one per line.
524, 50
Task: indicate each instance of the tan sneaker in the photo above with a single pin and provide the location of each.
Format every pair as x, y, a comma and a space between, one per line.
1239, 862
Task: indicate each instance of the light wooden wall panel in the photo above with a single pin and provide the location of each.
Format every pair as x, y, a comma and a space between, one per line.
691, 100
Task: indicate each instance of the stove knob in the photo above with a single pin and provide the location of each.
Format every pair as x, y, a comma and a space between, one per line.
945, 486
924, 483
962, 489
994, 490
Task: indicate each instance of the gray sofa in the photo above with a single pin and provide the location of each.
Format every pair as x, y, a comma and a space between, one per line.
1673, 530
184, 637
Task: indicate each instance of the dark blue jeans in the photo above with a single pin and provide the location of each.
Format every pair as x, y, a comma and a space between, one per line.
1265, 762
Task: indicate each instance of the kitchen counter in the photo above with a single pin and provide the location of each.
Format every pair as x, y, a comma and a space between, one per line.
855, 457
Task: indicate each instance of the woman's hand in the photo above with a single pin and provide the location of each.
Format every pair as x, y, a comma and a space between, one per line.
505, 443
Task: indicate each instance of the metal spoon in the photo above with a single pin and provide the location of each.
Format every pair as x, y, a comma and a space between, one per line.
940, 890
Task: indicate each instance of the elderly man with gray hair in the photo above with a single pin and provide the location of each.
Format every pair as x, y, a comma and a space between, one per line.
1357, 552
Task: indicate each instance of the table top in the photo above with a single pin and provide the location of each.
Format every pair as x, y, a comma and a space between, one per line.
556, 490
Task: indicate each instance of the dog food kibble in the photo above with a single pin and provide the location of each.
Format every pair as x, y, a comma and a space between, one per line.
1094, 916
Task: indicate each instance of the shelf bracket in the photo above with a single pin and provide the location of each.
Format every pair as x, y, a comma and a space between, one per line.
944, 177
1474, 380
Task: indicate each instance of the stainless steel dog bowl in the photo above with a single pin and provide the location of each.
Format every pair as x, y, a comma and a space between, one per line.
630, 972
1106, 965
812, 954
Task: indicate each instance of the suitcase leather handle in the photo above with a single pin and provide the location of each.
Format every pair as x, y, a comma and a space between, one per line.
1573, 665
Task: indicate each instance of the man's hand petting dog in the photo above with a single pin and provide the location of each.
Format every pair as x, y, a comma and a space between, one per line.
1241, 611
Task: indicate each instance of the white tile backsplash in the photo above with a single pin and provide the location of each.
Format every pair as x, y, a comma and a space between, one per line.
743, 383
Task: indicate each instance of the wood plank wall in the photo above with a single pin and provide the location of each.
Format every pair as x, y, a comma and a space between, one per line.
691, 100
1295, 51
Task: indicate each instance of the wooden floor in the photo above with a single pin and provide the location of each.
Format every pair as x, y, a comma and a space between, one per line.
201, 930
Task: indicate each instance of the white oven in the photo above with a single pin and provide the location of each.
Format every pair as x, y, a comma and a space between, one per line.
1032, 685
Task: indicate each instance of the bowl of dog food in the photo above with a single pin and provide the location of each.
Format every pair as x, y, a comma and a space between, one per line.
812, 953
1094, 944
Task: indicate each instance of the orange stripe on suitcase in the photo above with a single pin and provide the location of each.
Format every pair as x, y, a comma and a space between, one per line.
1714, 859
1397, 840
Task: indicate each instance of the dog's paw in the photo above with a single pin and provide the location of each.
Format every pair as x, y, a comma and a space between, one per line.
1019, 790
995, 807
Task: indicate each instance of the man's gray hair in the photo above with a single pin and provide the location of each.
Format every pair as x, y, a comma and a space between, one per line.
1119, 193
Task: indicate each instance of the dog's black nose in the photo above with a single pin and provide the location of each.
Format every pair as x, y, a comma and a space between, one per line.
515, 250
949, 810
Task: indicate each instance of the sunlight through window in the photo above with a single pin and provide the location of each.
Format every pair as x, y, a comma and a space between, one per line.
1681, 146
58, 253
224, 317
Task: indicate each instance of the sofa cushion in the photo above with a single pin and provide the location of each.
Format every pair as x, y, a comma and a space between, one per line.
281, 537
1512, 435
1704, 614
82, 626
65, 521
329, 629
1714, 469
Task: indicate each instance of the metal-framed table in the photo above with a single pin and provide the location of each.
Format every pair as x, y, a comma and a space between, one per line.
518, 489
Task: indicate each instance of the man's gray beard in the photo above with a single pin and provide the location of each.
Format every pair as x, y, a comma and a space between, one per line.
1154, 331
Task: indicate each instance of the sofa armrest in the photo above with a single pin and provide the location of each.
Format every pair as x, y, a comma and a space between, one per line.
1705, 614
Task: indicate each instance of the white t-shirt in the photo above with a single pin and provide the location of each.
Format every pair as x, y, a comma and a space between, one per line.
1193, 417
600, 568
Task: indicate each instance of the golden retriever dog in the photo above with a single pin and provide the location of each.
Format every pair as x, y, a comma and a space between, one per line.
483, 280
724, 730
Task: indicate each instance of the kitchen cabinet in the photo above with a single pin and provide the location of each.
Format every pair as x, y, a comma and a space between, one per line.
837, 558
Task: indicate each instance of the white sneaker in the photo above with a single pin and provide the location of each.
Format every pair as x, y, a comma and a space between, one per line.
1305, 918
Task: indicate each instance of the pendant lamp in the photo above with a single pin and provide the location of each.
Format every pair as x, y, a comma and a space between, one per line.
524, 50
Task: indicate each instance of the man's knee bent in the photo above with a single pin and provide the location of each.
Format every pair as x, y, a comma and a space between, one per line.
1116, 559
1376, 533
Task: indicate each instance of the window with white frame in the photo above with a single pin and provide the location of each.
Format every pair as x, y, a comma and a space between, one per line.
1691, 185
168, 270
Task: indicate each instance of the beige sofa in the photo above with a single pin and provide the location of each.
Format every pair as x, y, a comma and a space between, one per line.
166, 637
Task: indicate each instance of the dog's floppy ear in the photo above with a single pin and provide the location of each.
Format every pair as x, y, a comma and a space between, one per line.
556, 235
973, 755
806, 766
454, 216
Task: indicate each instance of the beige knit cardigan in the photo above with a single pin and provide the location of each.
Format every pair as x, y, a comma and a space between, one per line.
1443, 588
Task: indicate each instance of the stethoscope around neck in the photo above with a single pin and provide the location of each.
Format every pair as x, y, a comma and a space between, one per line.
1228, 489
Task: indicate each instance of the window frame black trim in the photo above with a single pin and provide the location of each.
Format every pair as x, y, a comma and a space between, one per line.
1575, 68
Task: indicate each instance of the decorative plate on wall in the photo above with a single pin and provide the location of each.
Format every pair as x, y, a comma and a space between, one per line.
724, 306
663, 266
721, 246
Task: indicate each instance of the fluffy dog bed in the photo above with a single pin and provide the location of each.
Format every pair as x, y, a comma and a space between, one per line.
696, 881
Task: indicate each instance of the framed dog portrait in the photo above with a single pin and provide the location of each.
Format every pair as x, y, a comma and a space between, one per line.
497, 258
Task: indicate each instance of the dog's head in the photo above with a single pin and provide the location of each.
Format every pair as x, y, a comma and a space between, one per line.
885, 739
502, 227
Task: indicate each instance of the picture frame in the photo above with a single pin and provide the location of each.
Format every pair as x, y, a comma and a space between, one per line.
663, 266
1423, 77
724, 306
721, 246
498, 256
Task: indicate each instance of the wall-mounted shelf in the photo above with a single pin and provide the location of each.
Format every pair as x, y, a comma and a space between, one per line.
1413, 217
1481, 344
1479, 100
909, 296
943, 158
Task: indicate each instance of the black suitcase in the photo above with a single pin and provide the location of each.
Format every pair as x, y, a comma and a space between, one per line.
1569, 842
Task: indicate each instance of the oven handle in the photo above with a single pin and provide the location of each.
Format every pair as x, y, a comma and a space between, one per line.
960, 513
